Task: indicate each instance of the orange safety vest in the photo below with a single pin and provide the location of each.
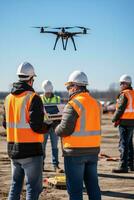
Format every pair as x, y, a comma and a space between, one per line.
87, 132
129, 111
17, 119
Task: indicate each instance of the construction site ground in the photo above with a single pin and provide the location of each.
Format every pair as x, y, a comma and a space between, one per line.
113, 186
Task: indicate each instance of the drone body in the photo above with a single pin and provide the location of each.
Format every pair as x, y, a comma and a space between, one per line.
64, 35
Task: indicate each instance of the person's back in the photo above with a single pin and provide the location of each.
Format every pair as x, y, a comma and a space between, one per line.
80, 133
124, 118
87, 125
23, 120
23, 138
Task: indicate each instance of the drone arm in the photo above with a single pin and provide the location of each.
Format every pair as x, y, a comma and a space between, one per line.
53, 32
75, 33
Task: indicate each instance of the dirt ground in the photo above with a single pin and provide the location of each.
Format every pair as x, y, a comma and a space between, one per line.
113, 186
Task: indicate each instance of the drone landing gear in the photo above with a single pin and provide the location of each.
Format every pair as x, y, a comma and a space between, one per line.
66, 44
73, 43
63, 44
57, 38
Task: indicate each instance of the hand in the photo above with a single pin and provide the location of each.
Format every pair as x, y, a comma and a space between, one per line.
116, 123
55, 124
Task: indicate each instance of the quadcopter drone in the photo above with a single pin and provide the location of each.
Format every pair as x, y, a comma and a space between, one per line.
64, 34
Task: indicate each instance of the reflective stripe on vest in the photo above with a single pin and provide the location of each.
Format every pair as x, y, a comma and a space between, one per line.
130, 106
129, 111
85, 135
82, 131
22, 123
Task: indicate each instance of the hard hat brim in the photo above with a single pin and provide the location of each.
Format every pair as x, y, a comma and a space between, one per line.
68, 83
79, 84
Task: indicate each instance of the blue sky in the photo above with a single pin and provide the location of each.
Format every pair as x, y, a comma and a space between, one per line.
104, 54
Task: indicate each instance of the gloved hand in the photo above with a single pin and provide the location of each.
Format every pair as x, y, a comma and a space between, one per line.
55, 123
116, 123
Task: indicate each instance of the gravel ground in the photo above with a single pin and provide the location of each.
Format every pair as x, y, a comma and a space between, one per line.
113, 186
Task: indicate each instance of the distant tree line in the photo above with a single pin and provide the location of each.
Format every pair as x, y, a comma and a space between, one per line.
109, 95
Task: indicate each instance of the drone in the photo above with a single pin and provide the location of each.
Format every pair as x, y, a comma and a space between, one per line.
64, 34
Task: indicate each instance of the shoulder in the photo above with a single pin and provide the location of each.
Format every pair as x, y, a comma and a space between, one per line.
36, 98
125, 94
69, 108
56, 96
122, 99
70, 112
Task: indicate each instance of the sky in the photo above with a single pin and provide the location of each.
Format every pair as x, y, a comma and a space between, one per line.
104, 54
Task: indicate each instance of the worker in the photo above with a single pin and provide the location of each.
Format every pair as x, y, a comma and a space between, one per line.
80, 129
124, 118
24, 123
48, 97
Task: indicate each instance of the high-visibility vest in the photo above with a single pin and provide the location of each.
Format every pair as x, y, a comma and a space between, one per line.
52, 100
87, 132
129, 111
17, 119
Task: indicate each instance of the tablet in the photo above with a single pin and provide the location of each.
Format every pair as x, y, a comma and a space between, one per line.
54, 111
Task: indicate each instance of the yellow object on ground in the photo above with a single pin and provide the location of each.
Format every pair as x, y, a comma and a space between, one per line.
56, 181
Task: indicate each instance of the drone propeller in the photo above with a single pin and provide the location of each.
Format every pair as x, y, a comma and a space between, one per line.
40, 26
66, 27
82, 27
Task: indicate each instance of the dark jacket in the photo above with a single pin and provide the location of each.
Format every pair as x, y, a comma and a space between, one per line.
122, 104
66, 128
24, 150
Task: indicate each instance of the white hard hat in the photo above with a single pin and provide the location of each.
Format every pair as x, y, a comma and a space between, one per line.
47, 86
78, 77
26, 70
125, 78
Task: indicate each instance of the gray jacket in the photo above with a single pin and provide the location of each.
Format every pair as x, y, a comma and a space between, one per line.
66, 128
